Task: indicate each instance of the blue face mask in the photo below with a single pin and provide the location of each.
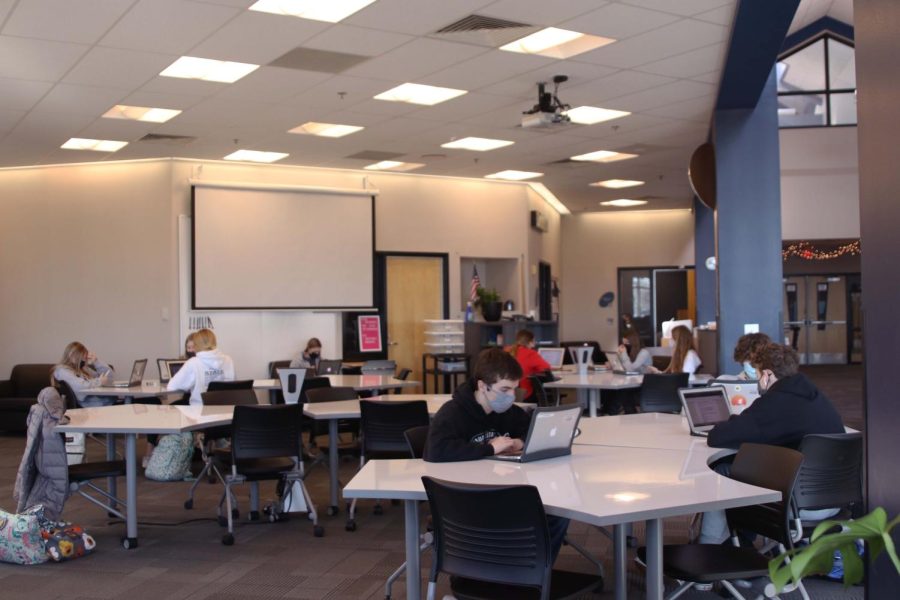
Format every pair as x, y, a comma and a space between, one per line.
501, 402
750, 371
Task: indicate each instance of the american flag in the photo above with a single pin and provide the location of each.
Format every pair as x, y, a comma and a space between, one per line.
476, 283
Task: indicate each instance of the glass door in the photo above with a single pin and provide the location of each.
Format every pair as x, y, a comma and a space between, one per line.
815, 309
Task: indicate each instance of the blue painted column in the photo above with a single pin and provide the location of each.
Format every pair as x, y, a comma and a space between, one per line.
704, 247
748, 221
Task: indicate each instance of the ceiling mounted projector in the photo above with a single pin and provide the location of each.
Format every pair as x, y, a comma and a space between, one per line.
549, 110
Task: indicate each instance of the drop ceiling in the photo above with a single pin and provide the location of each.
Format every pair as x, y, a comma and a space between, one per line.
64, 63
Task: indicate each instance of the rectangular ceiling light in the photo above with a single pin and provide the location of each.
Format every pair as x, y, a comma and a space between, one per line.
589, 115
415, 93
617, 184
557, 43
393, 165
95, 145
623, 202
476, 143
207, 69
513, 175
332, 130
141, 113
330, 11
604, 156
256, 156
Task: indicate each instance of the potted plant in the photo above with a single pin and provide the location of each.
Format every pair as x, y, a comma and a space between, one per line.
491, 307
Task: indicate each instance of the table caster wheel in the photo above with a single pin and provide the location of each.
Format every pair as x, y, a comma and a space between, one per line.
378, 510
351, 525
228, 540
129, 543
332, 510
189, 504
318, 531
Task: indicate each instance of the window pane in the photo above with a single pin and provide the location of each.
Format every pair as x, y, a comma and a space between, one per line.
803, 70
841, 66
807, 110
843, 109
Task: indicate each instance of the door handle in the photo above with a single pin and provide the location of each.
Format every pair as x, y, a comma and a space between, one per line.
393, 343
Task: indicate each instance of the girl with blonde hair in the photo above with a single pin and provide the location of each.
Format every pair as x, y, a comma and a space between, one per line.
82, 370
210, 364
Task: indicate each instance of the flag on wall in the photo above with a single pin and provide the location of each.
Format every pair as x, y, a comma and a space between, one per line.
476, 283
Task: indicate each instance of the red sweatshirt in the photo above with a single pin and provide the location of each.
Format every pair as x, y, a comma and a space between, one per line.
532, 363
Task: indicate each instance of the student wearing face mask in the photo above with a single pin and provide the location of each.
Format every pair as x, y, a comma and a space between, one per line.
482, 420
746, 345
633, 357
309, 358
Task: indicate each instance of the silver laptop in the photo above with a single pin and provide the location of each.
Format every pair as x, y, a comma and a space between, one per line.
741, 393
705, 407
550, 434
553, 356
168, 367
616, 364
137, 375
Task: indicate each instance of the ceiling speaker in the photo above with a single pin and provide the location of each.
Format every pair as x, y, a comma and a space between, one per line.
702, 174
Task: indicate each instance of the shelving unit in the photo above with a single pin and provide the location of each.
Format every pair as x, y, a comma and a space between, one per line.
480, 335
445, 357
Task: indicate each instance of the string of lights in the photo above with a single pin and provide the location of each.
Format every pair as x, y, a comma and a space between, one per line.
807, 251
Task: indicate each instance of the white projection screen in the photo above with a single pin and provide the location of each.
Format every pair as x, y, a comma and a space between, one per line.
281, 249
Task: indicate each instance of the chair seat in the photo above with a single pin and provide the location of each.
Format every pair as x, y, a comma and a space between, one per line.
96, 470
563, 584
264, 468
705, 563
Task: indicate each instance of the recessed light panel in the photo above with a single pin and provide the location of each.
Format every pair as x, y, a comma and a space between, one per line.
623, 202
604, 156
476, 143
557, 43
141, 113
617, 184
589, 115
95, 145
330, 11
513, 175
393, 165
207, 69
415, 93
332, 130
256, 156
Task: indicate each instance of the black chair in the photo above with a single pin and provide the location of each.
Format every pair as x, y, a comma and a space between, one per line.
320, 428
382, 426
237, 384
276, 396
659, 392
68, 394
416, 438
265, 446
494, 543
831, 476
402, 375
772, 467
539, 393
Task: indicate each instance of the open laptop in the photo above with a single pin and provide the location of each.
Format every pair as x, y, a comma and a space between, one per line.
741, 393
137, 375
168, 367
553, 356
616, 364
705, 407
550, 434
329, 367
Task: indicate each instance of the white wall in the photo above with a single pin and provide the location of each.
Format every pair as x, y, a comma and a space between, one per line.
594, 245
819, 183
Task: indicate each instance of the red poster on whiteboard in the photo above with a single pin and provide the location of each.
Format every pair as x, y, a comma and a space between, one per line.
369, 333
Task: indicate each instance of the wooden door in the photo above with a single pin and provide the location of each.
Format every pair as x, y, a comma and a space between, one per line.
415, 292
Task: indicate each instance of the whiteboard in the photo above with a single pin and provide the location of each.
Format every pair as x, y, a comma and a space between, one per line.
281, 249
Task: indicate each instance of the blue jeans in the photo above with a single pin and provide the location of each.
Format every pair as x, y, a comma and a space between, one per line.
94, 401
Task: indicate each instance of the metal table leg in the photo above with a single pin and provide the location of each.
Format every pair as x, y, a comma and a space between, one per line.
593, 402
620, 565
654, 559
131, 536
413, 566
111, 486
333, 465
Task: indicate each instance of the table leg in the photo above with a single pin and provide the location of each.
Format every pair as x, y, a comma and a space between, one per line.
654, 559
333, 464
111, 486
131, 540
413, 566
594, 401
620, 564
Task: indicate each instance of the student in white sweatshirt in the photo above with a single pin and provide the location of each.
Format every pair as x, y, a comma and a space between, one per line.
209, 364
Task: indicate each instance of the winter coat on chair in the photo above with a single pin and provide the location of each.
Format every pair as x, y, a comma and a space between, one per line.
43, 476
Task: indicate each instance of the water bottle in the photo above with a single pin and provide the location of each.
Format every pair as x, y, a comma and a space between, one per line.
470, 315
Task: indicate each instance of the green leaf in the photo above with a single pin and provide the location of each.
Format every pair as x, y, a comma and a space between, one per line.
853, 565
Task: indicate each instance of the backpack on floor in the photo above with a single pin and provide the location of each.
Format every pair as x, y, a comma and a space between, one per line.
171, 460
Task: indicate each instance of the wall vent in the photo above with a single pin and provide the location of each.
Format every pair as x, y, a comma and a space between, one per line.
479, 23
484, 31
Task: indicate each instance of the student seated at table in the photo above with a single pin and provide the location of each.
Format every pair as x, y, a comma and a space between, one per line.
746, 345
684, 358
309, 358
789, 408
482, 420
210, 364
82, 370
190, 350
633, 357
528, 358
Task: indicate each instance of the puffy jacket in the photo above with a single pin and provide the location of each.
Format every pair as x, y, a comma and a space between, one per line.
43, 476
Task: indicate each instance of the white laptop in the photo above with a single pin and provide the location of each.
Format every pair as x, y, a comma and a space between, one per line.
137, 375
550, 434
168, 367
705, 407
741, 393
553, 356
616, 364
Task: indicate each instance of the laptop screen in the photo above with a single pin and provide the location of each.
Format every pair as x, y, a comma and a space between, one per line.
175, 366
707, 406
553, 356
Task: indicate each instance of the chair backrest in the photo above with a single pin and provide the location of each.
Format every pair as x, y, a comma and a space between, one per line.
402, 374
29, 379
539, 394
597, 355
237, 384
291, 384
490, 533
416, 438
275, 365
384, 423
331, 394
265, 432
65, 390
772, 467
831, 475
229, 397
312, 383
379, 367
329, 367
659, 392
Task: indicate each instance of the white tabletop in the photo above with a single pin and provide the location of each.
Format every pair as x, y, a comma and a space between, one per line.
349, 409
597, 380
369, 382
152, 387
145, 418
644, 430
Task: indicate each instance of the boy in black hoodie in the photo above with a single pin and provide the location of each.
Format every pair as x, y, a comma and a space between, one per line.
482, 420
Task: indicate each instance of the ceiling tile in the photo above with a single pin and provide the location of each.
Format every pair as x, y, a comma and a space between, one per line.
619, 21
117, 67
341, 91
461, 107
618, 84
170, 26
724, 15
415, 59
20, 94
80, 99
257, 38
682, 89
161, 100
427, 17
117, 129
486, 69
540, 12
9, 118
37, 60
271, 84
84, 21
681, 7
52, 128
524, 86
357, 40
712, 77
5, 8
175, 85
689, 64
695, 109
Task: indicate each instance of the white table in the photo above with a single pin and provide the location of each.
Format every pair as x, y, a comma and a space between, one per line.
152, 387
369, 383
132, 420
599, 485
349, 409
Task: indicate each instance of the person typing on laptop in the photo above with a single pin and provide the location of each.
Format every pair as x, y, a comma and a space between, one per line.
528, 358
210, 364
482, 420
82, 370
633, 357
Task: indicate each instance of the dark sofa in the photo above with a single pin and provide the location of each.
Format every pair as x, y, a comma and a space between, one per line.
19, 392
